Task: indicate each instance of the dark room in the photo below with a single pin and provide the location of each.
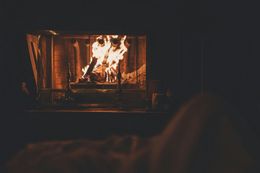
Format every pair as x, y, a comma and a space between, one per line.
130, 86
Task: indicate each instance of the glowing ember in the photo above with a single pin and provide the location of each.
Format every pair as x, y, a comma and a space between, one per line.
107, 51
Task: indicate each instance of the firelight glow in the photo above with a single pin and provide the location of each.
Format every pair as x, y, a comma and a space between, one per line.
108, 50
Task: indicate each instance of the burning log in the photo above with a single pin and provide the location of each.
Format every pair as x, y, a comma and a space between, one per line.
88, 69
95, 72
92, 65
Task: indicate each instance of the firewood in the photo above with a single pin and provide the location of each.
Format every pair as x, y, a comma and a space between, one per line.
92, 65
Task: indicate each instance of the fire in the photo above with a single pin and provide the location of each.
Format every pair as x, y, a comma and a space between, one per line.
107, 51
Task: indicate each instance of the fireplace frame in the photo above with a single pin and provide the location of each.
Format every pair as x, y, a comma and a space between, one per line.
47, 92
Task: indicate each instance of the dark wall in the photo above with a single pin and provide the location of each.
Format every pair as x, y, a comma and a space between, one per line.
193, 46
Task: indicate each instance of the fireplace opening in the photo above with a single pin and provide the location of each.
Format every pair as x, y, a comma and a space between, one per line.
89, 70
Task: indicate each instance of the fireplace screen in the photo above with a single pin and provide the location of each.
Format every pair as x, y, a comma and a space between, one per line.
89, 69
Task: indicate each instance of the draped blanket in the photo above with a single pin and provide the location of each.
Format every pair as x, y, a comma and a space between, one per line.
206, 135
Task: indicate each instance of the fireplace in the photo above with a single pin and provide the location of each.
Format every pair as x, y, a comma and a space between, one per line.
89, 69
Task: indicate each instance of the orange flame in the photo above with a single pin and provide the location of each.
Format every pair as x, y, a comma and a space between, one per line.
109, 50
